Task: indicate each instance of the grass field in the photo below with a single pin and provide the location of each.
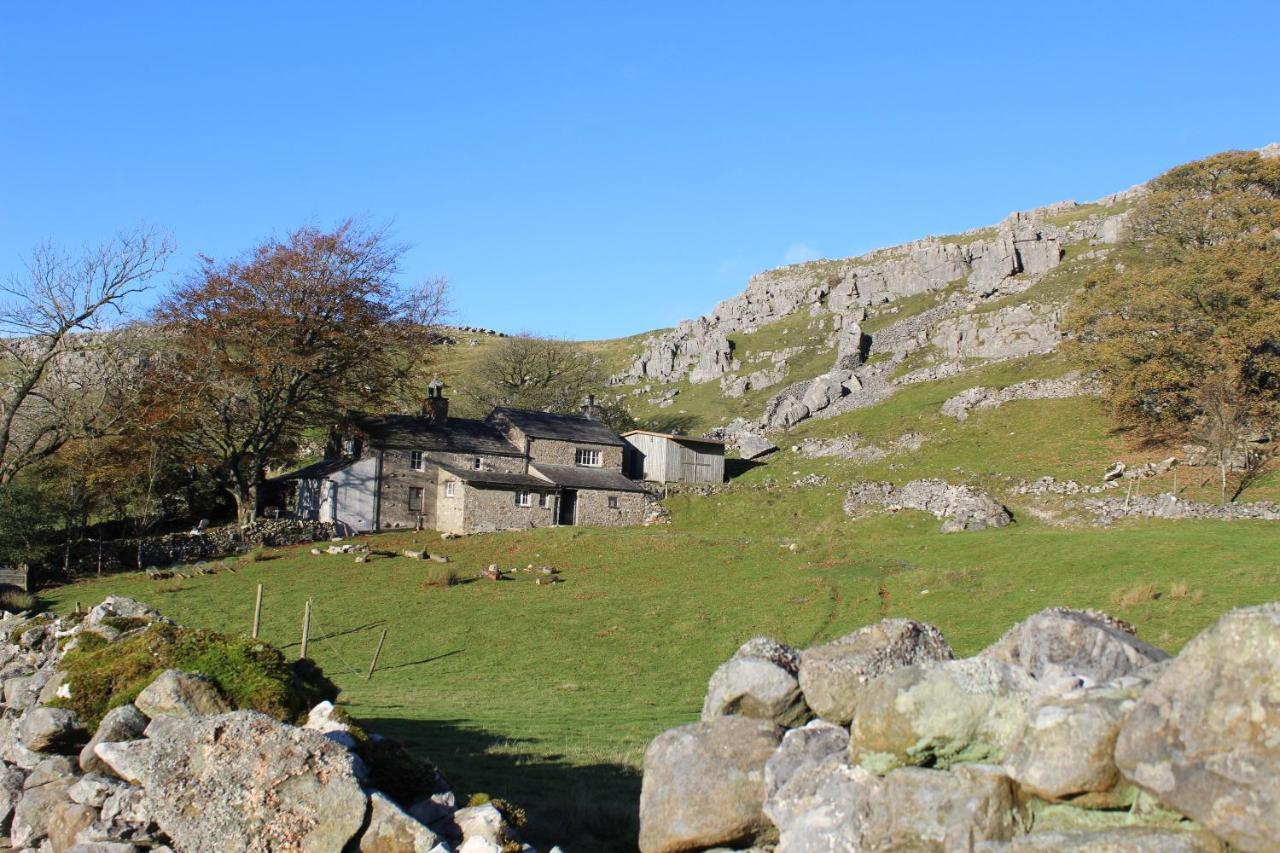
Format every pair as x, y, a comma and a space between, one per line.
547, 695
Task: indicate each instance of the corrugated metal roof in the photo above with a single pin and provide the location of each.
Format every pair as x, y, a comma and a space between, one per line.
496, 478
415, 432
558, 427
691, 439
577, 477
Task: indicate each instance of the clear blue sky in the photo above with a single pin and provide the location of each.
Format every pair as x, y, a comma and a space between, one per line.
598, 169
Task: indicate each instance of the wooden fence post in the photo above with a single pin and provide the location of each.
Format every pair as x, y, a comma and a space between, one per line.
306, 628
376, 653
257, 612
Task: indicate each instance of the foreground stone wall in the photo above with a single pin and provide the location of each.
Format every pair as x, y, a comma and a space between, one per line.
180, 769
1068, 733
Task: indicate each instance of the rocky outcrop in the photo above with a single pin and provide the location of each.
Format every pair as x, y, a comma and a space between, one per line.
1071, 385
1011, 332
1035, 744
693, 350
852, 447
1165, 505
960, 507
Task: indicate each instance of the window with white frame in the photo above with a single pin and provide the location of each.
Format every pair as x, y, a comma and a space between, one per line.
415, 499
590, 458
450, 488
524, 499
475, 463
415, 460
544, 499
613, 501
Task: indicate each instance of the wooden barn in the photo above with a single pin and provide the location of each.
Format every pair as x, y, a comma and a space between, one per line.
660, 457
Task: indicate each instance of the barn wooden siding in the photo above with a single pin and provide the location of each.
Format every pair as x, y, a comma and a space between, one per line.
674, 459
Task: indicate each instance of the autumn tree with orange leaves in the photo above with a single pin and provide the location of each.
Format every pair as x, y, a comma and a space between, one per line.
295, 333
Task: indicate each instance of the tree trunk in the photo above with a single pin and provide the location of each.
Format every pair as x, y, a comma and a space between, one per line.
246, 495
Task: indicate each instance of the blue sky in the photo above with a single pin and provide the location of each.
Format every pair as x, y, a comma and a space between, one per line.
598, 169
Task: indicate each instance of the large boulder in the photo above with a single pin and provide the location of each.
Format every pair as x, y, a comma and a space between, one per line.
1205, 737
45, 729
65, 821
1066, 744
939, 714
1061, 641
752, 446
243, 780
831, 675
919, 809
703, 785
119, 724
33, 810
175, 693
758, 681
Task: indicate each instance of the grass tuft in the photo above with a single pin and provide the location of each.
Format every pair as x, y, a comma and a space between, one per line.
1135, 595
440, 575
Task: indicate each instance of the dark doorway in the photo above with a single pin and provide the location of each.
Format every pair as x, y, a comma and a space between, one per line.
568, 507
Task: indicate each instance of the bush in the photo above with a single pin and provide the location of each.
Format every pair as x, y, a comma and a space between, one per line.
250, 674
16, 601
440, 575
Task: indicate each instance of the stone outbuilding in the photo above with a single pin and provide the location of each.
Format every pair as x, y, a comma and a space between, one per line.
661, 457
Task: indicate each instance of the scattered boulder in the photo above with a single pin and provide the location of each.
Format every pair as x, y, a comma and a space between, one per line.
831, 675
961, 507
1204, 739
390, 830
1062, 641
758, 681
752, 446
242, 780
704, 786
939, 714
175, 693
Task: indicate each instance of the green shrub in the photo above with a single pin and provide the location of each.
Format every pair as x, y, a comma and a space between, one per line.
16, 601
250, 674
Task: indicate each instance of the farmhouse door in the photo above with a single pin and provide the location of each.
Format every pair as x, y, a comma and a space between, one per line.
568, 507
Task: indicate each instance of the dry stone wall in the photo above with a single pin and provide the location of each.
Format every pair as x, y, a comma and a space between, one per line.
1068, 733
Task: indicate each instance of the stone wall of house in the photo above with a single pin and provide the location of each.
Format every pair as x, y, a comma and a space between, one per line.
594, 509
449, 511
398, 476
486, 510
552, 452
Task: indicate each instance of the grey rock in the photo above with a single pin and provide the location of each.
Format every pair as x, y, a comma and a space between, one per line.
105, 847
483, 822
65, 821
120, 724
1012, 332
1068, 386
1061, 641
939, 714
242, 779
1204, 739
174, 693
119, 606
703, 785
390, 830
922, 809
812, 790
1065, 746
752, 446
52, 770
758, 681
31, 815
45, 729
11, 780
831, 675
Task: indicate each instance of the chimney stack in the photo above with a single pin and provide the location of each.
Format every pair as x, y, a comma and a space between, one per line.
436, 407
590, 410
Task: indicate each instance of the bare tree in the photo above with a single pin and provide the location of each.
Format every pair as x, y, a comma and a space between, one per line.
60, 360
530, 372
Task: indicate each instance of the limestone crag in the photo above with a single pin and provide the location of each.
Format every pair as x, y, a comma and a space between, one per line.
179, 769
1068, 733
1011, 332
1071, 385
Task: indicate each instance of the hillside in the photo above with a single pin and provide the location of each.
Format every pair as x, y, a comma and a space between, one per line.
547, 694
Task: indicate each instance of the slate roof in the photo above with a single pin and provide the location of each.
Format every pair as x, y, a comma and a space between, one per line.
455, 435
579, 477
558, 427
690, 439
495, 478
314, 471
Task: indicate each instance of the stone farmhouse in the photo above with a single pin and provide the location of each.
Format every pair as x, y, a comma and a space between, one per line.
514, 470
